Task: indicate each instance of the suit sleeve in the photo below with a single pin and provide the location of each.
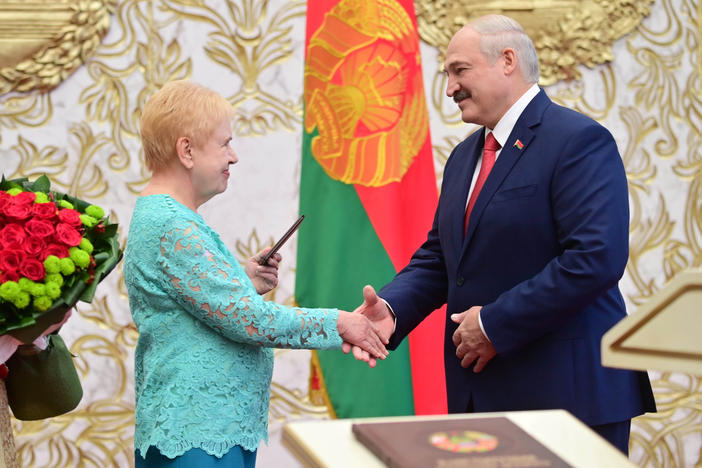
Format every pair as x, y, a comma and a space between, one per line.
590, 208
422, 286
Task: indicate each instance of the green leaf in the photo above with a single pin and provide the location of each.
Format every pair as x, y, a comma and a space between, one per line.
42, 184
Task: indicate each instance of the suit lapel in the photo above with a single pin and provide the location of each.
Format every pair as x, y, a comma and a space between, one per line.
516, 145
471, 153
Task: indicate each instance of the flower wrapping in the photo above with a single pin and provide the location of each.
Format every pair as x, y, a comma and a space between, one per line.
54, 250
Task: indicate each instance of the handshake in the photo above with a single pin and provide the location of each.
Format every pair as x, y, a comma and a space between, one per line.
367, 330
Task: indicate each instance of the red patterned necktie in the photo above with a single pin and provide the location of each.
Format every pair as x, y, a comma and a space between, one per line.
489, 155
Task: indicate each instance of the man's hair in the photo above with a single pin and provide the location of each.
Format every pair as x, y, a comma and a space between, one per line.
498, 32
179, 109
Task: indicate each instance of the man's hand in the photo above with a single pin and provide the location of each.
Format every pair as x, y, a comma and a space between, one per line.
471, 343
378, 313
361, 333
263, 277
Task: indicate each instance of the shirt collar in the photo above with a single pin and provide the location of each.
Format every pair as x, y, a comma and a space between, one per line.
506, 124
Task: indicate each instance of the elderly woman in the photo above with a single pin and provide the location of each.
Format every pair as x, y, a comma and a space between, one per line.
203, 361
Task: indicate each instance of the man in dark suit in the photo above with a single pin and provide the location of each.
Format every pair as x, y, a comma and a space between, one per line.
530, 273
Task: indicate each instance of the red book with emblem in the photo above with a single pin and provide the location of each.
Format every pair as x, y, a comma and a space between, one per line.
454, 443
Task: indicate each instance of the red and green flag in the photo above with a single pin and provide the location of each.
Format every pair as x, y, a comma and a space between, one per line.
368, 191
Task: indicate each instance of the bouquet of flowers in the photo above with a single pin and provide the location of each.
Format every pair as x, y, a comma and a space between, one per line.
54, 250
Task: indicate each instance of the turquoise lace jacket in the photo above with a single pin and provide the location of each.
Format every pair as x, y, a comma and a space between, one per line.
203, 361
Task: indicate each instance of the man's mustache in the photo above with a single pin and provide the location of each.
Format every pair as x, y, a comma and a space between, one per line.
460, 95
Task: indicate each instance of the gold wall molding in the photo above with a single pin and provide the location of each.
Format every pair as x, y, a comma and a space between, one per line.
44, 41
248, 38
566, 33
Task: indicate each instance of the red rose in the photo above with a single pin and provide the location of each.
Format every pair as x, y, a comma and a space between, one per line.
4, 199
10, 260
61, 251
9, 276
70, 217
12, 234
67, 235
32, 269
34, 245
44, 210
24, 198
39, 228
17, 211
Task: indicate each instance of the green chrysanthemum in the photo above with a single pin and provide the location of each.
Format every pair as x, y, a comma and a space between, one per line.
42, 303
88, 220
41, 198
86, 245
95, 211
52, 264
67, 266
53, 290
80, 257
22, 300
55, 278
9, 290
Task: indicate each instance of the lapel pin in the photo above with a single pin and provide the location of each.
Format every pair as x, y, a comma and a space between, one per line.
519, 144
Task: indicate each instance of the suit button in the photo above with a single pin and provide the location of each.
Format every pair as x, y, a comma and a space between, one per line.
460, 281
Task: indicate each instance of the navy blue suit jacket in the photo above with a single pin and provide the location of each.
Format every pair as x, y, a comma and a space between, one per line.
545, 247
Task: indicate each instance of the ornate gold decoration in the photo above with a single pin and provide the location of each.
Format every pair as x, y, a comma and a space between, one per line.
249, 41
43, 41
660, 439
364, 93
566, 33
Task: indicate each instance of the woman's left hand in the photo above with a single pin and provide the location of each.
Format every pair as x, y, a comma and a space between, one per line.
263, 277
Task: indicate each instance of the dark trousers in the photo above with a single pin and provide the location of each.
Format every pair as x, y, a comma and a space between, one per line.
616, 433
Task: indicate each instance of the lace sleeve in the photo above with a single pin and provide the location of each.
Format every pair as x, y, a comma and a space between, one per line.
222, 296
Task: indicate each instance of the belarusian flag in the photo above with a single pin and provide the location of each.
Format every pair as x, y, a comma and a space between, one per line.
368, 192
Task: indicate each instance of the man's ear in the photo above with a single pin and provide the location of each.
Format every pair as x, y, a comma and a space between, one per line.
184, 148
509, 58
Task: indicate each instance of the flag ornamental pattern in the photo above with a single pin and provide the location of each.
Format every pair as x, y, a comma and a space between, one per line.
368, 192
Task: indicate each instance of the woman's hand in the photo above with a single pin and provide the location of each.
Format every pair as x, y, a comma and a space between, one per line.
363, 334
263, 277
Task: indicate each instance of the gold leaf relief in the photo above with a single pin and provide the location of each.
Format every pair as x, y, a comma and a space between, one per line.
657, 87
693, 219
677, 257
30, 110
692, 104
287, 404
645, 237
669, 26
635, 156
42, 55
566, 34
251, 43
34, 162
659, 439
573, 94
87, 180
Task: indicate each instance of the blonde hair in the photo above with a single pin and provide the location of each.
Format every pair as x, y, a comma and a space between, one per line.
179, 109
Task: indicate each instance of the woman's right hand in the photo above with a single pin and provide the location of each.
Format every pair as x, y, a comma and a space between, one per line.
357, 330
